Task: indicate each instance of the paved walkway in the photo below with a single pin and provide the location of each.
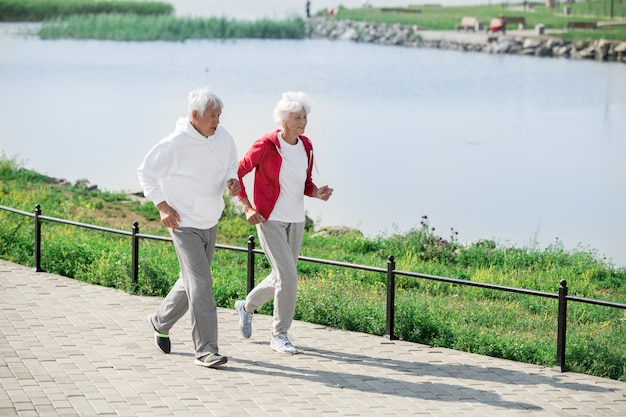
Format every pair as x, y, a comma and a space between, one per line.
73, 349
480, 37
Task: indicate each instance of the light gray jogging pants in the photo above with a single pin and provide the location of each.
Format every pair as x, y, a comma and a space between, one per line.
281, 243
193, 290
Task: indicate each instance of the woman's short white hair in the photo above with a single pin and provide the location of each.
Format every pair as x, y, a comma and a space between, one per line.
291, 102
199, 98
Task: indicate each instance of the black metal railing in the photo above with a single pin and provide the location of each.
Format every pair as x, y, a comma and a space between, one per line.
390, 271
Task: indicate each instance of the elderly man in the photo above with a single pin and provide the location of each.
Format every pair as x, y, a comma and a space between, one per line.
185, 175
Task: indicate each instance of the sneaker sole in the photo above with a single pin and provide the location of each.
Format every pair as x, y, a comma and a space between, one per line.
288, 353
213, 364
295, 352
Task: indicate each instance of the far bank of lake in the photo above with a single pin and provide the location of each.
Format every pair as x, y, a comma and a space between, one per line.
516, 42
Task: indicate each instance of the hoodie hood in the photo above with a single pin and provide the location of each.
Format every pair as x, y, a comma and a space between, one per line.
184, 126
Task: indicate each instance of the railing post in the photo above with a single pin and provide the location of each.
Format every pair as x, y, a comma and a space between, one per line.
391, 297
37, 252
562, 329
250, 276
134, 273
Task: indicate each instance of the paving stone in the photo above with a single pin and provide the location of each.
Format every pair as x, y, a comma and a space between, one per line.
68, 348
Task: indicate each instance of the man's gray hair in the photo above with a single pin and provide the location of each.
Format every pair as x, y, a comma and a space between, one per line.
291, 102
199, 98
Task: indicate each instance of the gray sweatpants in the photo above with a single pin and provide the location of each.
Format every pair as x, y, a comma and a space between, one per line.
193, 290
281, 243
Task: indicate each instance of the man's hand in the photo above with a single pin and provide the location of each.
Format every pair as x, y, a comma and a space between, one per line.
169, 216
234, 188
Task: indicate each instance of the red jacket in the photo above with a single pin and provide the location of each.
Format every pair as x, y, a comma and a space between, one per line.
265, 156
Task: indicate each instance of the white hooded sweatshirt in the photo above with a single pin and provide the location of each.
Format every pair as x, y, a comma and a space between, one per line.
190, 172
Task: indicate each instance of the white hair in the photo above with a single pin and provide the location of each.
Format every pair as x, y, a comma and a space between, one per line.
199, 98
291, 102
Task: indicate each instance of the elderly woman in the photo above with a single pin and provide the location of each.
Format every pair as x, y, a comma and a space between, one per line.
283, 161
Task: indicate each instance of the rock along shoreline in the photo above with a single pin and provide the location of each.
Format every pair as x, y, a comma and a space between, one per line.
514, 42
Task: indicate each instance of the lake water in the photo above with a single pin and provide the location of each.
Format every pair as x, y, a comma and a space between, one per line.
522, 150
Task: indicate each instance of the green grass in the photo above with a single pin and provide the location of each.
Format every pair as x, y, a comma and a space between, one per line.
446, 18
499, 324
39, 10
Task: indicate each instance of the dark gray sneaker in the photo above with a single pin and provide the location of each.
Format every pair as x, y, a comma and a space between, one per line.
161, 340
245, 319
211, 360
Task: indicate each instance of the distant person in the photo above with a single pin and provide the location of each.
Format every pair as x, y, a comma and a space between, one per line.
308, 8
185, 175
498, 25
283, 164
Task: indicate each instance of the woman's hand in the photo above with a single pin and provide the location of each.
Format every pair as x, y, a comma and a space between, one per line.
253, 216
323, 193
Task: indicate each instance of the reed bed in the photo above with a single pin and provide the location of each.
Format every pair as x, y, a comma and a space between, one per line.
132, 27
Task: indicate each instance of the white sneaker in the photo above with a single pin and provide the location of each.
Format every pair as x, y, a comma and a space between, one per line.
282, 344
245, 319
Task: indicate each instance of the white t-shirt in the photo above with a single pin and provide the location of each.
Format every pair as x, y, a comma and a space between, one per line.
289, 207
